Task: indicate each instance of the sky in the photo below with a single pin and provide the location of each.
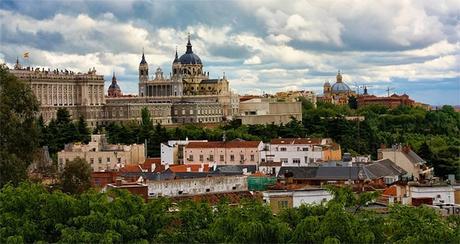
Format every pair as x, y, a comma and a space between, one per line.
262, 46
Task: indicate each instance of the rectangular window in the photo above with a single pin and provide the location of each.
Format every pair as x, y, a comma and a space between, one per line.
305, 149
232, 157
108, 160
190, 157
119, 160
252, 157
284, 160
283, 149
282, 204
241, 157
221, 158
211, 158
201, 158
296, 160
91, 161
99, 160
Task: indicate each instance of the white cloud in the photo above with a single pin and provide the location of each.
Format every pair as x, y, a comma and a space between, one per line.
253, 60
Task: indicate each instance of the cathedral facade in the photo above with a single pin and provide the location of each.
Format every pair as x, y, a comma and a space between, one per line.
187, 78
187, 95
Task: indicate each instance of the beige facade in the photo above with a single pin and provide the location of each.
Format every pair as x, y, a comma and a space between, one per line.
101, 155
223, 153
81, 93
268, 110
408, 160
186, 96
308, 95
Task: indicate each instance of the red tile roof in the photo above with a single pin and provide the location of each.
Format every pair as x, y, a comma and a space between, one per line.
147, 165
131, 168
296, 141
193, 168
226, 144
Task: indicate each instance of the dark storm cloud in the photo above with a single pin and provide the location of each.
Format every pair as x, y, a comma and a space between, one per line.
42, 39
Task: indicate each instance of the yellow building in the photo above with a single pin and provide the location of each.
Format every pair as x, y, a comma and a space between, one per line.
102, 156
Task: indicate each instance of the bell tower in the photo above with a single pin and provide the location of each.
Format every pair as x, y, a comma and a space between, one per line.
176, 65
143, 69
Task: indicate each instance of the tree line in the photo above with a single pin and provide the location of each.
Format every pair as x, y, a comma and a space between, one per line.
31, 213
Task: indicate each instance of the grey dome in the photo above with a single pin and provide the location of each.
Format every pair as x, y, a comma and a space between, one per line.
340, 87
189, 58
114, 86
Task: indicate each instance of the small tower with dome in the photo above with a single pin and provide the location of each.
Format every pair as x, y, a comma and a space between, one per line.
338, 93
114, 89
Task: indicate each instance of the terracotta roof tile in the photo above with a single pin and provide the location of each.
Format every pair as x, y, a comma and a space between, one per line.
193, 168
226, 144
131, 168
296, 141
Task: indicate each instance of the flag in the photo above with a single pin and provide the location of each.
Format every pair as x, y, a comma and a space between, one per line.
26, 55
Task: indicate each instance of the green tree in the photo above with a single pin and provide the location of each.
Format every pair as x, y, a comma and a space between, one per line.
76, 176
18, 130
84, 134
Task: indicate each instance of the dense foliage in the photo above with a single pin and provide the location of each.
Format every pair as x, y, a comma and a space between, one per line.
30, 213
62, 130
18, 130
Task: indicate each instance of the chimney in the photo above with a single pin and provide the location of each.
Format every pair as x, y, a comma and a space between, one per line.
406, 149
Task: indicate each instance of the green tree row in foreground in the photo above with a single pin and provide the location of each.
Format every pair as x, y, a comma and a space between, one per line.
31, 213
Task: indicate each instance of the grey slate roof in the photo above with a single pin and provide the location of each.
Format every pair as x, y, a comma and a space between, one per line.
235, 168
209, 81
383, 168
414, 158
324, 173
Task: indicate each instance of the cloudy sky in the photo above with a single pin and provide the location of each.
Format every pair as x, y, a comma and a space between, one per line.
262, 46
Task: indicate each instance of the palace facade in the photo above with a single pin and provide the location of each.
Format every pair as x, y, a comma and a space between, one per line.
188, 95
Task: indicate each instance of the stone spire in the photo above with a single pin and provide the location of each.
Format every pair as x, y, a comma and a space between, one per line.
143, 57
189, 45
114, 79
339, 77
176, 58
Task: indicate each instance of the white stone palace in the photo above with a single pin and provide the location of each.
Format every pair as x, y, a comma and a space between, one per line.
188, 95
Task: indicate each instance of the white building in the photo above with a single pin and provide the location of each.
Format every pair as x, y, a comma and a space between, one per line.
300, 151
101, 155
439, 194
180, 187
172, 152
280, 199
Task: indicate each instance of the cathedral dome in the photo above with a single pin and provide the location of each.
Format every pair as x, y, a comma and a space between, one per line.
340, 87
114, 86
189, 57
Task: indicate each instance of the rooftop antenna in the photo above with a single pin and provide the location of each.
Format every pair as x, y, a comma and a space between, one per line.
388, 90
